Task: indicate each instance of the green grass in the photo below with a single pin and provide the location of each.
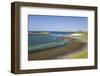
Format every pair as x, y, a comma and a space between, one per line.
82, 54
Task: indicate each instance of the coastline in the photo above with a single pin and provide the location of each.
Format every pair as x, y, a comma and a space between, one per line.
55, 52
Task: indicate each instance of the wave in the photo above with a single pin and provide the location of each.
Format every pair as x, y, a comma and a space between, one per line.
48, 45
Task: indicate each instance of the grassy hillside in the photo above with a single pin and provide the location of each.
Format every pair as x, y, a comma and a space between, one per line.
82, 54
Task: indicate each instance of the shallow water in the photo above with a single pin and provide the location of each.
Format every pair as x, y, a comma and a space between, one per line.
43, 39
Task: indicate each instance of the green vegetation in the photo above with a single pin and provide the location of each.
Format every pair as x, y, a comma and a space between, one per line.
82, 54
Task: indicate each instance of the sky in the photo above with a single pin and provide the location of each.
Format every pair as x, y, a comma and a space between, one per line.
57, 23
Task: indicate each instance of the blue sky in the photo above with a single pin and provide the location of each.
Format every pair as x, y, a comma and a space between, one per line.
57, 23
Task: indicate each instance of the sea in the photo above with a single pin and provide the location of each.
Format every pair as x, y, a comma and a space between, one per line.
40, 39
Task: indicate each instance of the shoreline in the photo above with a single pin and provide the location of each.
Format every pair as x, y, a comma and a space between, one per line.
52, 53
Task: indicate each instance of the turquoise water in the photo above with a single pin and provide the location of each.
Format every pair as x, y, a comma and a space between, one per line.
44, 41
41, 39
